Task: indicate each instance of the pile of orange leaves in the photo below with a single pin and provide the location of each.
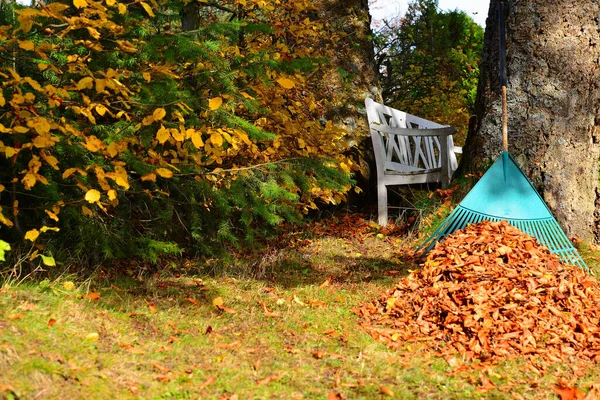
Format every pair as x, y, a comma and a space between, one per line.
491, 292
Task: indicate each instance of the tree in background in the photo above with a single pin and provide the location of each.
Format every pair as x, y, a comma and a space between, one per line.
429, 63
144, 128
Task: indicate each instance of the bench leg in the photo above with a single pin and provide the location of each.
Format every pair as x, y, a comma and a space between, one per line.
382, 206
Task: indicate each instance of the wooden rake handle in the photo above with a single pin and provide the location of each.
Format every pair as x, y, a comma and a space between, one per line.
503, 80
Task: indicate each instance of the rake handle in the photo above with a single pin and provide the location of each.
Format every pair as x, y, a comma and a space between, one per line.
503, 80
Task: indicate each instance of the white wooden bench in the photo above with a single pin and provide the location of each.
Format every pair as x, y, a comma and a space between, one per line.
408, 150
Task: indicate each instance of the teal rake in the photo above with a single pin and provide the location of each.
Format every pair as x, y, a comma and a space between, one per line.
505, 193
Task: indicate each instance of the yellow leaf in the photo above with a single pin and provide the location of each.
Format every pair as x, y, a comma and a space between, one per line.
42, 67
112, 194
51, 160
26, 44
80, 3
122, 8
5, 220
2, 187
148, 120
111, 3
92, 196
162, 135
29, 180
163, 172
286, 83
93, 144
32, 235
52, 215
126, 46
68, 172
149, 177
215, 103
121, 177
218, 301
48, 260
20, 129
40, 124
159, 114
146, 76
197, 139
100, 109
115, 148
100, 85
216, 139
93, 32
69, 285
49, 228
177, 135
92, 337
301, 143
147, 8
246, 95
87, 211
44, 141
85, 83
2, 100
9, 151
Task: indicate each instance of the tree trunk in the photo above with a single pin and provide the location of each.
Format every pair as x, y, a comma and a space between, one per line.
553, 55
355, 56
190, 17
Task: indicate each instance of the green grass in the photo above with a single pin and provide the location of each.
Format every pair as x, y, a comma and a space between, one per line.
287, 331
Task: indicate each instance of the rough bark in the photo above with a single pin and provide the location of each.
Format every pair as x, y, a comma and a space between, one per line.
355, 55
190, 17
553, 56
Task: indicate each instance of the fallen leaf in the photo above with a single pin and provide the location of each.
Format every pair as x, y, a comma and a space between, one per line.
92, 296
227, 309
209, 381
486, 384
160, 368
286, 83
568, 393
193, 301
6, 388
164, 378
27, 306
215, 103
15, 316
325, 283
270, 379
152, 308
51, 321
218, 301
267, 312
484, 290
385, 390
297, 300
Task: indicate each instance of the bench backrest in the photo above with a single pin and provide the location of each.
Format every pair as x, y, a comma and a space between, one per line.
404, 153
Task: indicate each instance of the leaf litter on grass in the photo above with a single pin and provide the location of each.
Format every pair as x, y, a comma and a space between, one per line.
488, 293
